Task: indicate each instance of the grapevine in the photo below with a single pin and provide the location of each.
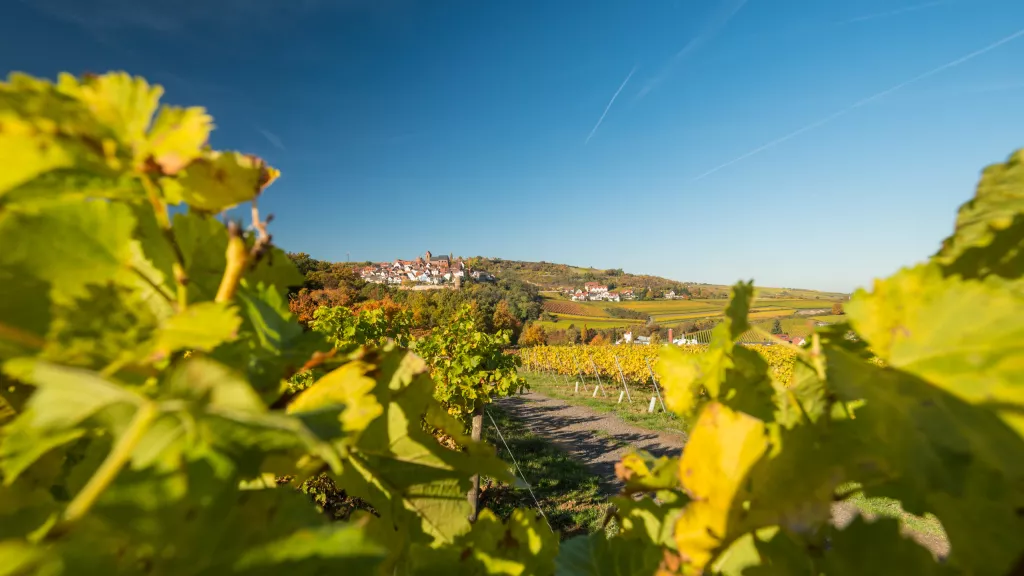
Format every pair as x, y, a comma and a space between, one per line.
147, 425
633, 359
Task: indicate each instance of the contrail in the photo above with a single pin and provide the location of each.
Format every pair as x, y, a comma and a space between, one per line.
864, 102
272, 138
705, 35
898, 11
609, 106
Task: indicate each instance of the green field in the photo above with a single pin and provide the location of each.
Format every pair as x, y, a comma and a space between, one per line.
831, 318
668, 312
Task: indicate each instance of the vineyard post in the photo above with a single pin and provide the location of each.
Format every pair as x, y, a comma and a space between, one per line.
477, 433
579, 372
655, 380
597, 374
623, 378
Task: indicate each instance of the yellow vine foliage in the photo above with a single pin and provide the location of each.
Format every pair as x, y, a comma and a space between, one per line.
633, 359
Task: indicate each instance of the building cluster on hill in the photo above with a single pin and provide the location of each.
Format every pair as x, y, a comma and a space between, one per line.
426, 269
597, 292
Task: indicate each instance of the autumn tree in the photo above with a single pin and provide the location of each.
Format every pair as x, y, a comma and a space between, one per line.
504, 319
598, 340
533, 335
572, 335
837, 308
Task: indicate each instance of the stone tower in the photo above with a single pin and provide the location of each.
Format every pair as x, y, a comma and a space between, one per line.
428, 256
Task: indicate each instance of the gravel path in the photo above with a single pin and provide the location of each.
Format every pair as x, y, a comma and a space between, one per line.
599, 440
596, 439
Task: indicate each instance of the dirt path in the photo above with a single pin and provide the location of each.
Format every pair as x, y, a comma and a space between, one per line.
595, 439
599, 440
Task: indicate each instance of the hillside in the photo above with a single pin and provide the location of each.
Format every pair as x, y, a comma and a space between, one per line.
550, 276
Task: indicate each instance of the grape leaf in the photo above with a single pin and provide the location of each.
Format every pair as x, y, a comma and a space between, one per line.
642, 472
877, 548
203, 241
106, 326
965, 336
45, 130
219, 180
69, 246
72, 185
596, 555
24, 311
272, 345
20, 558
401, 469
650, 520
981, 223
177, 137
123, 103
52, 417
524, 545
937, 453
202, 326
350, 387
722, 448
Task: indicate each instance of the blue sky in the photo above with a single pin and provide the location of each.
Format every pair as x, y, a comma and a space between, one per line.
469, 127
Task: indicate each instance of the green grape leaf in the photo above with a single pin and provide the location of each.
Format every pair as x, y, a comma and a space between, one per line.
414, 482
20, 558
877, 548
219, 180
272, 345
203, 241
105, 326
349, 387
29, 501
123, 103
936, 453
24, 311
720, 452
64, 399
766, 552
315, 551
642, 472
275, 269
596, 555
196, 520
72, 185
648, 519
525, 545
202, 326
988, 224
739, 307
735, 376
69, 246
964, 336
178, 136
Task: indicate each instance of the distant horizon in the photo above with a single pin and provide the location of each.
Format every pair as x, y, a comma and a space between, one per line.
800, 143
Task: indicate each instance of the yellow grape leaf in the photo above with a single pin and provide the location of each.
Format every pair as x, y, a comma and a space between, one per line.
219, 180
123, 103
642, 472
722, 448
679, 373
178, 136
28, 152
349, 387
